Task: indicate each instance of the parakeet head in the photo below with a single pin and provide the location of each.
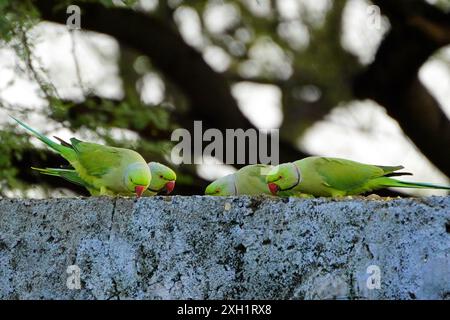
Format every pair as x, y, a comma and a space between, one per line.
163, 178
224, 186
283, 177
137, 178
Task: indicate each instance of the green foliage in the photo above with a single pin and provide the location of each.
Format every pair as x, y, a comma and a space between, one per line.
93, 113
16, 16
319, 62
444, 4
11, 149
99, 116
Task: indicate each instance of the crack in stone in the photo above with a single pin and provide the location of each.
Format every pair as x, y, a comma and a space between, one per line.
116, 292
112, 217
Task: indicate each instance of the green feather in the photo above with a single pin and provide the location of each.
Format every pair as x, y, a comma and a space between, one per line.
68, 174
388, 182
64, 151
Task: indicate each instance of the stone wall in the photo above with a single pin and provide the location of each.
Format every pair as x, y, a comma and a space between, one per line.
233, 248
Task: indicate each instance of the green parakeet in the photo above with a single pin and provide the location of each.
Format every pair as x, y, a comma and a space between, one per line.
249, 180
320, 176
163, 178
107, 170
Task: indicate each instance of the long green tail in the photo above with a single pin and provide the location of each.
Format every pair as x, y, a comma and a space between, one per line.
69, 174
66, 152
388, 182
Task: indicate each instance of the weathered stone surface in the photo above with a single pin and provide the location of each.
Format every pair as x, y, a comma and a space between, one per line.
205, 247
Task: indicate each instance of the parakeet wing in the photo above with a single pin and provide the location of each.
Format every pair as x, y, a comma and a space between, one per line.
346, 174
69, 174
96, 159
251, 179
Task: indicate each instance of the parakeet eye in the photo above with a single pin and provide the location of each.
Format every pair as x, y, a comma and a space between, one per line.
161, 176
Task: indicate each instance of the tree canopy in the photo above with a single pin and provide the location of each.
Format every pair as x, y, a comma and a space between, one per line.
196, 51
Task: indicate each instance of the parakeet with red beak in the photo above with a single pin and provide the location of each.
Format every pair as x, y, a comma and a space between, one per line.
333, 177
107, 170
246, 181
249, 180
163, 179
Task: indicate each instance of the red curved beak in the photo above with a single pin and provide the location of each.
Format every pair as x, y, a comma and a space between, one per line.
170, 186
273, 188
139, 190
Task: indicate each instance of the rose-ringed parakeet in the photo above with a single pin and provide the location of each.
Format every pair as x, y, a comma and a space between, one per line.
163, 178
249, 180
109, 170
333, 177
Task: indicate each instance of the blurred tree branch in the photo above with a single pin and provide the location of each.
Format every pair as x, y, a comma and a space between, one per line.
418, 31
323, 65
106, 110
208, 91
